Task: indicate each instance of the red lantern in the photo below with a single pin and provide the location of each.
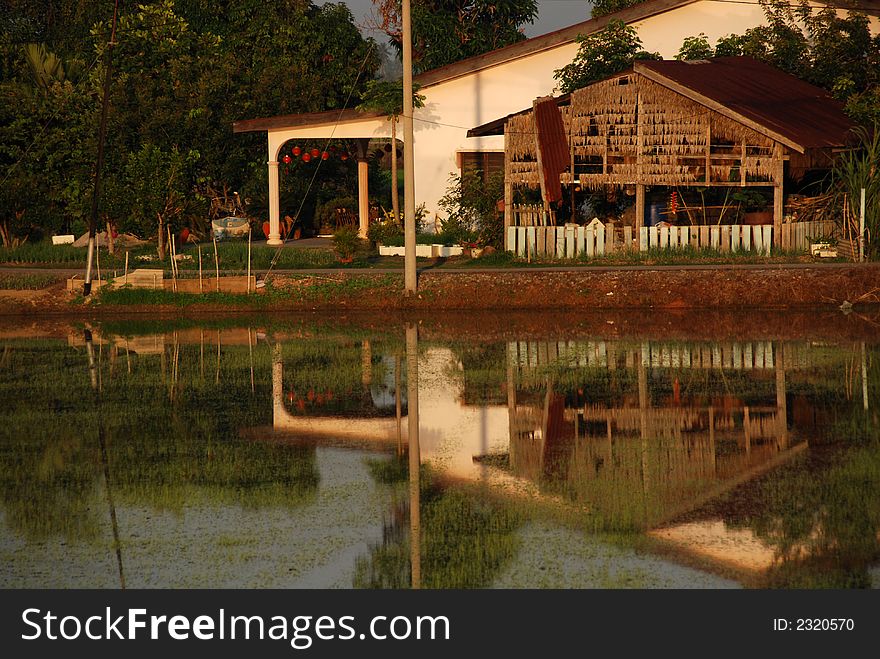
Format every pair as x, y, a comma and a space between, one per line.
296, 151
316, 153
184, 234
287, 160
343, 156
325, 156
306, 157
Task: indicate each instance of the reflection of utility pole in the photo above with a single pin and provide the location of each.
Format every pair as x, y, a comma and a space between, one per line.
397, 406
412, 408
105, 461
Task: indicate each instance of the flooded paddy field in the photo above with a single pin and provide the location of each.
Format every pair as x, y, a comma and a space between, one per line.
679, 451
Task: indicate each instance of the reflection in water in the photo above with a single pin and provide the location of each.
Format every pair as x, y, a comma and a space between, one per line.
759, 456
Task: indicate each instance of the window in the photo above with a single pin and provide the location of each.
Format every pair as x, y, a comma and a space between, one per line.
485, 162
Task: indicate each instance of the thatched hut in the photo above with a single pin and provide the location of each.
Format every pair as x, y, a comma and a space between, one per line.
725, 122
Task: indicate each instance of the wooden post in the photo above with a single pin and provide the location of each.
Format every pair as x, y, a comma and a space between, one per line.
126, 267
862, 226
216, 264
778, 199
200, 268
640, 206
508, 191
249, 262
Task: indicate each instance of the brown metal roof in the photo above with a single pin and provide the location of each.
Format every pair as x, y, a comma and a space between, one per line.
775, 103
328, 118
758, 95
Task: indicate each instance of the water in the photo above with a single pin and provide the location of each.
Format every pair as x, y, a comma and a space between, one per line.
275, 453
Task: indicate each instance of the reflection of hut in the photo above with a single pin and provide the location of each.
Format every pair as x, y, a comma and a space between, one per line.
636, 461
730, 122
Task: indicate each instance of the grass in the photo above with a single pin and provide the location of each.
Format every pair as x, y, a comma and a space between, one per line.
17, 282
331, 289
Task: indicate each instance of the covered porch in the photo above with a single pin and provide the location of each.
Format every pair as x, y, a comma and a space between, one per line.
333, 124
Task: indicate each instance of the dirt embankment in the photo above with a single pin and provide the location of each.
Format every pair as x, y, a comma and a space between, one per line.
573, 290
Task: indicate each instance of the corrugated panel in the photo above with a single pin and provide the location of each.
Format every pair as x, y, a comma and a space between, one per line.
804, 114
553, 146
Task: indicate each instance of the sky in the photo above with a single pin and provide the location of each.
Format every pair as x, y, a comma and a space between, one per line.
552, 15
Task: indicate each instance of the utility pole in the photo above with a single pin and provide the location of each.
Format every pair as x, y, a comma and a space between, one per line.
409, 178
99, 164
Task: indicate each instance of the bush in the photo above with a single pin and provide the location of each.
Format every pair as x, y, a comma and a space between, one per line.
346, 242
387, 229
471, 206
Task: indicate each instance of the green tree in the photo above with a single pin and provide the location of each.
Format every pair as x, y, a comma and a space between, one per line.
602, 54
387, 97
446, 31
605, 7
695, 48
157, 185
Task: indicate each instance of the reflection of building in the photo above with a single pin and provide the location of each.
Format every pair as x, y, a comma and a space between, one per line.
634, 461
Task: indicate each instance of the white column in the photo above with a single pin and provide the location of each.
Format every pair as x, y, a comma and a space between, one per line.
274, 205
363, 197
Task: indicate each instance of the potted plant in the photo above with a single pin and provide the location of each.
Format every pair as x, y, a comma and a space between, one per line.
753, 207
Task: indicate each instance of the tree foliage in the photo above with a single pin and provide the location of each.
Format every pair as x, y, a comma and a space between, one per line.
446, 31
602, 54
183, 72
605, 7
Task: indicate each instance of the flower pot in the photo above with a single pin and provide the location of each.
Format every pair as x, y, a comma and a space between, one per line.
758, 217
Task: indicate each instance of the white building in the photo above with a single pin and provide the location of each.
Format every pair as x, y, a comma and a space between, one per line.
480, 89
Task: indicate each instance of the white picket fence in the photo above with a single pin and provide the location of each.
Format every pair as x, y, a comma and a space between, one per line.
575, 241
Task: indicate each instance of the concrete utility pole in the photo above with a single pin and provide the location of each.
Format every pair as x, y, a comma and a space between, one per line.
99, 165
409, 178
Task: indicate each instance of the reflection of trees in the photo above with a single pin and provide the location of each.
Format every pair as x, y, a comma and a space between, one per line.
466, 540
164, 450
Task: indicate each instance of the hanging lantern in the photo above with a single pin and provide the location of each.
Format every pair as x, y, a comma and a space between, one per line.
325, 156
316, 153
332, 147
296, 151
306, 157
387, 148
287, 160
343, 156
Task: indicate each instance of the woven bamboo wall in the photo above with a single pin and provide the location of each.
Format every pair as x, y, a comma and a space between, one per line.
630, 129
